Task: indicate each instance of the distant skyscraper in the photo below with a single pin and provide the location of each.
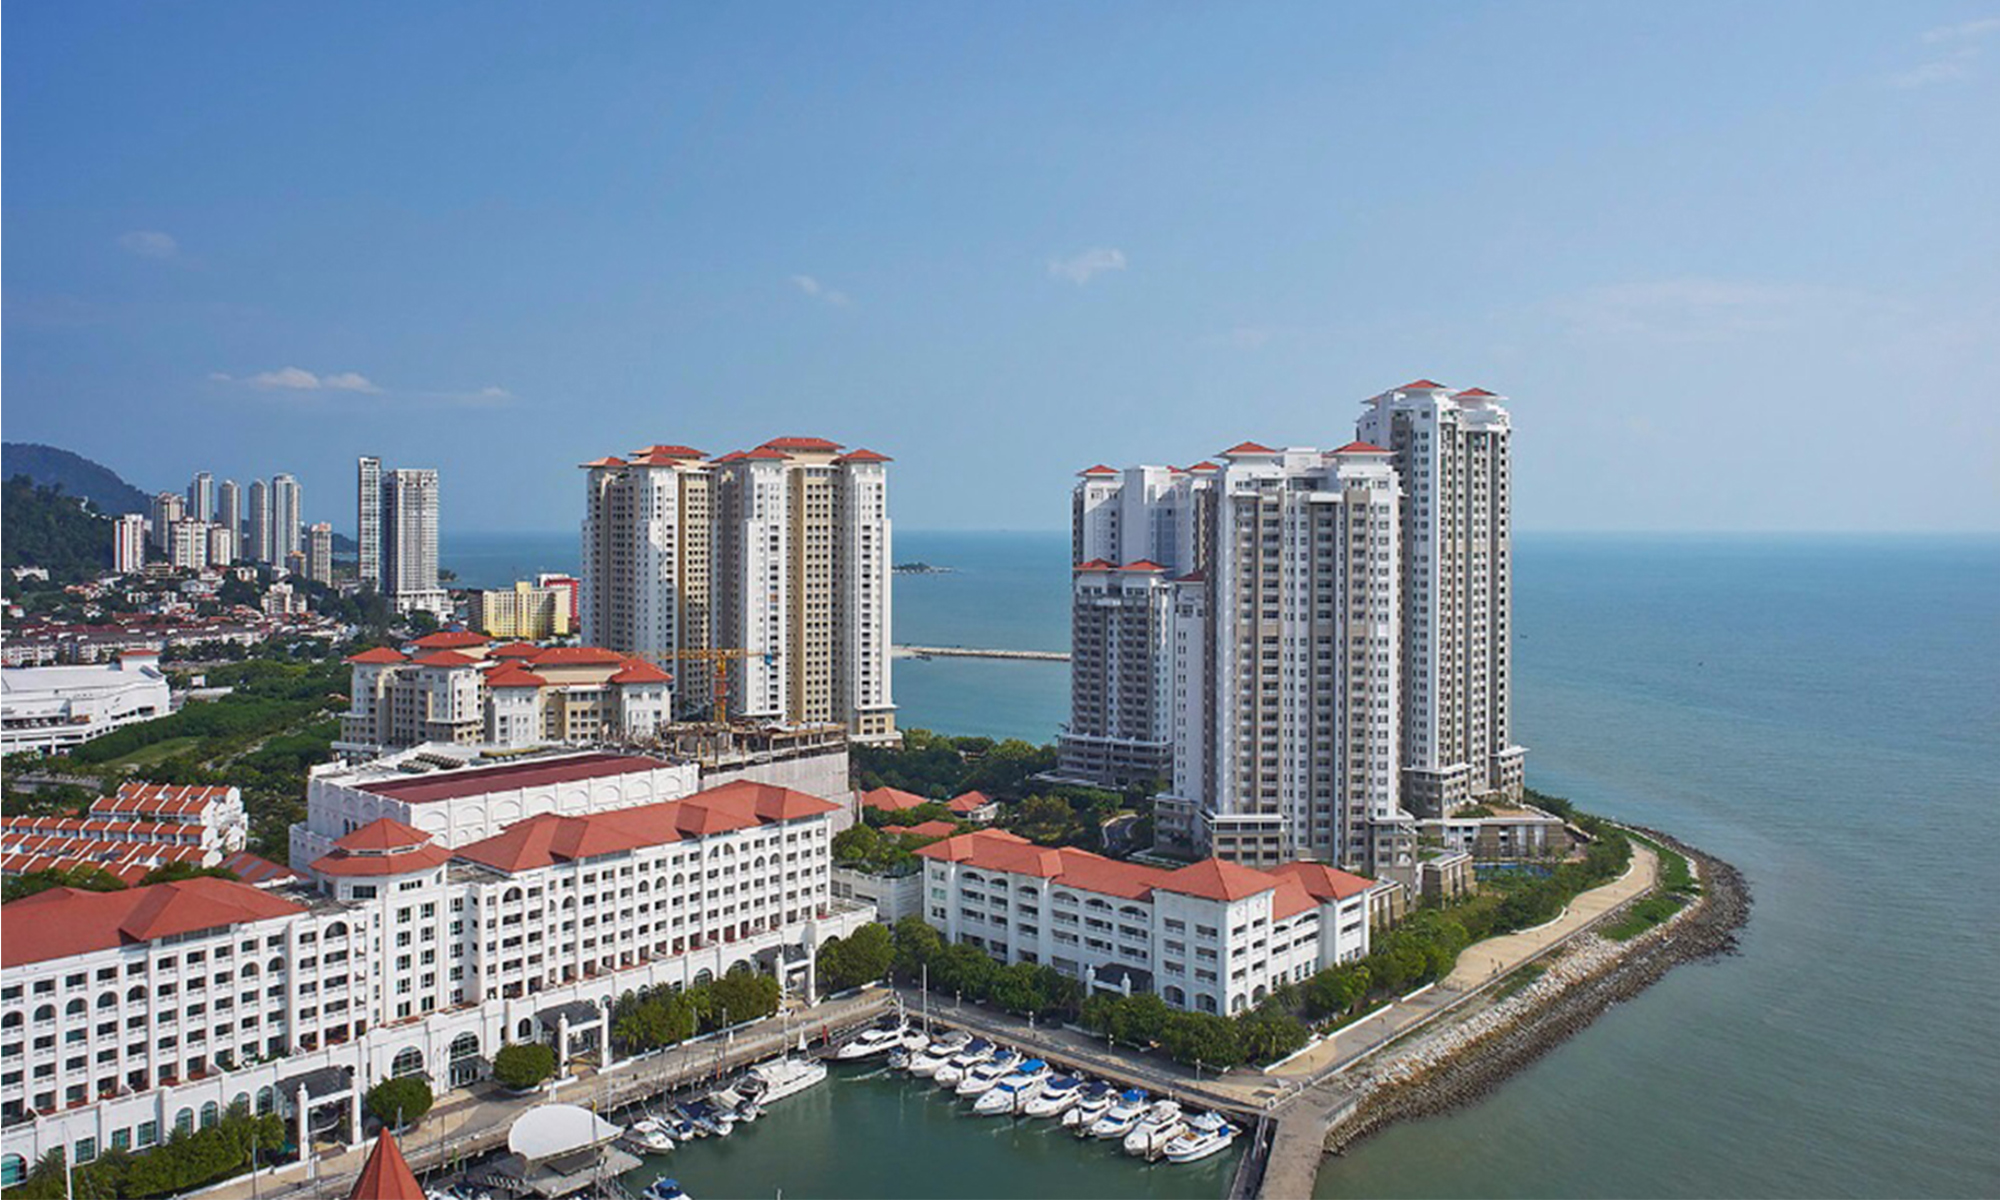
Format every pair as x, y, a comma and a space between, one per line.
368, 521
1451, 450
201, 497
319, 553
221, 546
128, 543
287, 508
261, 542
410, 540
229, 515
168, 509
187, 545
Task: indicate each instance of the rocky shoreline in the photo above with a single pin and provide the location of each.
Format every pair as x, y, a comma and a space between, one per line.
1435, 1074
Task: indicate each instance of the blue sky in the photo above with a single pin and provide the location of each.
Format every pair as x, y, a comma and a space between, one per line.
1738, 266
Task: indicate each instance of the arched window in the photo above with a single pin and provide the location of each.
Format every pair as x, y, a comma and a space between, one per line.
337, 929
241, 1105
408, 1061
1205, 1002
267, 1100
211, 1112
465, 1045
704, 976
13, 1170
525, 1030
511, 894
10, 1020
276, 966
1175, 996
108, 1000
249, 970
135, 995
76, 1008
46, 1012
184, 1121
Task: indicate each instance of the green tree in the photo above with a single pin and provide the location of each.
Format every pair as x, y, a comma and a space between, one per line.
523, 1065
1267, 1034
863, 956
1204, 1038
89, 879
917, 945
175, 871
401, 1101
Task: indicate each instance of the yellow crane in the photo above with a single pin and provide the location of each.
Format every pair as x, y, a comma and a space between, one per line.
718, 693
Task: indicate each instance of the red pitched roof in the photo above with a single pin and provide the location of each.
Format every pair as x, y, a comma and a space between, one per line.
445, 658
386, 1176
606, 461
1212, 879
380, 654
512, 676
1144, 564
1324, 882
258, 871
1361, 448
383, 834
1421, 385
1242, 448
799, 443
673, 451
1099, 469
1476, 393
159, 799
888, 799
1095, 564
1216, 879
471, 781
969, 802
763, 452
548, 838
732, 456
1204, 466
638, 670
450, 639
572, 656
514, 650
657, 459
865, 456
1193, 577
65, 921
927, 829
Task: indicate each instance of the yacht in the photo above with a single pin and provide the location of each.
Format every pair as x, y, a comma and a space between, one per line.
1092, 1102
953, 1069
664, 1189
870, 1043
707, 1116
925, 1062
1206, 1134
697, 1127
915, 1040
647, 1135
1057, 1096
981, 1078
769, 1082
1008, 1095
1128, 1110
1161, 1124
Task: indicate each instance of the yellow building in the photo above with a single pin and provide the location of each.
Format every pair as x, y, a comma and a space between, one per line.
524, 611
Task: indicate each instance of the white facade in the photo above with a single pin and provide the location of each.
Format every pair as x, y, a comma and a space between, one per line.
229, 515
201, 497
169, 509
1452, 452
53, 708
261, 535
368, 521
287, 511
410, 540
1212, 937
128, 543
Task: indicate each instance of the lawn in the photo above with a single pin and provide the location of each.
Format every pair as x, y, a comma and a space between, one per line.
158, 752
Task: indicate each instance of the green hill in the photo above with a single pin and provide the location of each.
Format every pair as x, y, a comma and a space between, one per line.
77, 476
42, 526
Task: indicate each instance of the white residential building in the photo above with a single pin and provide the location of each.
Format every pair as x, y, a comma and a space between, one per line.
229, 515
1210, 937
54, 708
262, 537
319, 553
368, 521
410, 541
201, 497
1451, 449
127, 1015
187, 545
221, 546
169, 509
128, 543
287, 513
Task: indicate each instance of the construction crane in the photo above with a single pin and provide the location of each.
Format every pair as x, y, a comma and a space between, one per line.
718, 694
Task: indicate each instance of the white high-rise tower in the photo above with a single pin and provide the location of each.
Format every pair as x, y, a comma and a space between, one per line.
368, 521
410, 541
287, 508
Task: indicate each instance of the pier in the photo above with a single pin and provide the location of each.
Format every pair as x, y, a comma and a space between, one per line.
973, 652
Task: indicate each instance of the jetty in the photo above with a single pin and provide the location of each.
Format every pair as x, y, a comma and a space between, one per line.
975, 652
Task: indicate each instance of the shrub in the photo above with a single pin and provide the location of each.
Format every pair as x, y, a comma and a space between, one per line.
401, 1101
525, 1065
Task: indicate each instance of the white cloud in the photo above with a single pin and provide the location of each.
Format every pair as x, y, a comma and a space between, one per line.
819, 291
1079, 268
149, 243
347, 381
1962, 42
300, 380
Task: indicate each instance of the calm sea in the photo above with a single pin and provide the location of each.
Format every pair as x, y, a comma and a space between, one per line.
1822, 711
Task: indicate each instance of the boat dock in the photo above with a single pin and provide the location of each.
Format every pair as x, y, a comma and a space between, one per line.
973, 652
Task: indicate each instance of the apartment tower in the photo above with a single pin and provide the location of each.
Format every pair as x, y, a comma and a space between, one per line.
410, 540
229, 515
1451, 450
368, 521
261, 539
319, 553
169, 509
201, 497
287, 505
128, 543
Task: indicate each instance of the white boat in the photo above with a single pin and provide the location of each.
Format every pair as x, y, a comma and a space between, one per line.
647, 1135
1128, 1110
871, 1042
1057, 1096
1092, 1102
981, 1078
976, 1051
925, 1063
1008, 1095
1159, 1126
915, 1040
664, 1188
769, 1082
1205, 1134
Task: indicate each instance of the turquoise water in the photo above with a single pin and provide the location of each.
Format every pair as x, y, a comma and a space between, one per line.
1822, 711
868, 1131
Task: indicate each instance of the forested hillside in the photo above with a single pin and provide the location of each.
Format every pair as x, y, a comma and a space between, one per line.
77, 475
46, 527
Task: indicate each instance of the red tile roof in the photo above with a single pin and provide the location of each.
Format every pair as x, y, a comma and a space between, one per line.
888, 799
864, 456
1204, 466
65, 921
543, 840
1099, 469
384, 846
638, 670
1144, 564
512, 676
1421, 385
1297, 885
383, 834
1193, 577
380, 654
924, 829
1324, 882
514, 650
1215, 879
732, 456
1095, 564
1361, 448
576, 656
799, 443
1242, 448
1477, 394
386, 1176
450, 639
445, 658
674, 451
472, 781
657, 459
969, 802
258, 871
763, 452
158, 799
606, 461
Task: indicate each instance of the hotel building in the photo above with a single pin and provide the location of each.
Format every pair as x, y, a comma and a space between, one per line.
1211, 937
781, 553
125, 1016
525, 611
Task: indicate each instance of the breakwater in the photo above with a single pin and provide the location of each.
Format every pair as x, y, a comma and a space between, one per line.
1464, 1064
975, 652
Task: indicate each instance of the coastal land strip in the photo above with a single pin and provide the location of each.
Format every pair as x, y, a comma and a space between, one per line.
1464, 1061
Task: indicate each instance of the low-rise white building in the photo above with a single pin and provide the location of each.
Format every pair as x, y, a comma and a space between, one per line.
1210, 937
127, 1015
55, 708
